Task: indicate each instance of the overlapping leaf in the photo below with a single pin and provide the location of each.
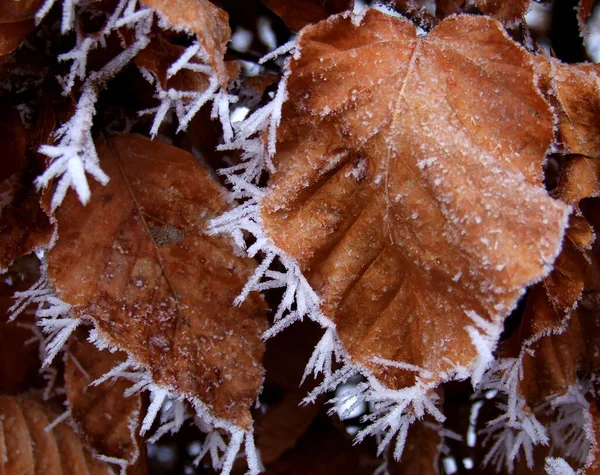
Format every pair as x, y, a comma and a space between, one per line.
154, 284
300, 13
106, 419
28, 449
205, 20
23, 225
404, 191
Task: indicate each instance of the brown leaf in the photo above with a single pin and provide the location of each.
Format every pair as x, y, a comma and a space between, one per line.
510, 13
574, 92
23, 225
552, 321
404, 190
19, 358
300, 13
422, 452
325, 449
154, 284
204, 19
16, 22
107, 420
30, 449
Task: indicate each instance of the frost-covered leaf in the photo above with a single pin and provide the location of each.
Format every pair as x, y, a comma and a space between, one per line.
404, 191
105, 418
574, 92
23, 224
204, 19
584, 10
28, 448
154, 284
299, 13
557, 299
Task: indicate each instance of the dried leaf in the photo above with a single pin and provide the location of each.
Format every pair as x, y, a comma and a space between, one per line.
510, 13
23, 225
422, 452
107, 420
154, 284
19, 358
574, 92
285, 420
30, 449
325, 449
16, 22
404, 191
551, 325
204, 19
300, 13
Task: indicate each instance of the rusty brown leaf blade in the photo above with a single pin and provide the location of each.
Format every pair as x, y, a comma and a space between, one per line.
154, 284
107, 420
16, 22
30, 449
300, 13
23, 224
403, 190
574, 92
546, 327
208, 22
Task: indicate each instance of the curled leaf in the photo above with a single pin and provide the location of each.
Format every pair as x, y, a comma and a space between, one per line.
574, 92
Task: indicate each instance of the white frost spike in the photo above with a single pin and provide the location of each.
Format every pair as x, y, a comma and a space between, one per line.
321, 360
173, 416
53, 315
394, 410
121, 463
213, 445
572, 432
157, 398
235, 443
75, 154
523, 431
279, 51
186, 104
484, 337
558, 466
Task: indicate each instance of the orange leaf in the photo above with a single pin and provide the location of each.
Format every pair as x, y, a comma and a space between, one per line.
573, 90
154, 284
404, 191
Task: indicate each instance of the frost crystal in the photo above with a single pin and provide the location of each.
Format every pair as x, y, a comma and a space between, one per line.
74, 154
187, 103
52, 314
